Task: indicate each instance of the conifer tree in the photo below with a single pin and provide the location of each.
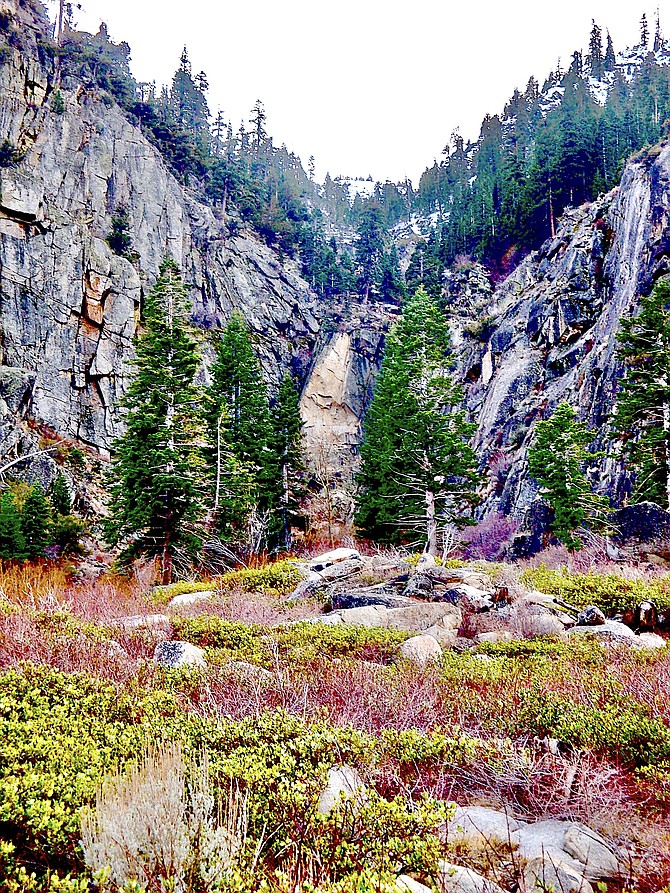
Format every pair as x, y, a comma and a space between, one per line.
239, 395
643, 407
644, 31
610, 56
418, 468
158, 480
35, 522
12, 541
555, 460
60, 497
287, 425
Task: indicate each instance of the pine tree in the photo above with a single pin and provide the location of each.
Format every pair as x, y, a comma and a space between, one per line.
287, 425
595, 56
555, 460
158, 481
418, 469
643, 407
35, 522
610, 55
644, 31
239, 394
60, 497
12, 541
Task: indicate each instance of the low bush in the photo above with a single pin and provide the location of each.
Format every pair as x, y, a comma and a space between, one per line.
295, 643
612, 593
277, 579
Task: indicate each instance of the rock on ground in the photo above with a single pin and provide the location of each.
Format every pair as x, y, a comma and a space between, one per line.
335, 556
343, 781
481, 828
455, 879
421, 650
174, 654
573, 845
191, 598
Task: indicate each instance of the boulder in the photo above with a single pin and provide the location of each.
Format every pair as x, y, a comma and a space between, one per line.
494, 637
591, 616
571, 844
445, 636
327, 559
250, 671
648, 642
385, 597
549, 872
419, 586
372, 615
479, 600
343, 781
611, 630
421, 650
405, 884
311, 585
458, 575
190, 598
541, 623
479, 828
143, 621
421, 616
341, 570
456, 879
174, 654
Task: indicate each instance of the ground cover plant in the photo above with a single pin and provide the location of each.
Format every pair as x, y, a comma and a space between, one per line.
279, 704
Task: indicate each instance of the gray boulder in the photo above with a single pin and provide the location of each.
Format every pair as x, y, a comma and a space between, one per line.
570, 845
421, 650
591, 616
174, 654
384, 597
343, 781
419, 586
191, 598
611, 630
341, 570
155, 622
456, 879
479, 828
335, 556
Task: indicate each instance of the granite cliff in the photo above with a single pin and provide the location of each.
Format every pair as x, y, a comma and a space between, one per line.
69, 305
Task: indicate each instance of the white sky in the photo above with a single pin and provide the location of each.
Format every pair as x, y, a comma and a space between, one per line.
366, 86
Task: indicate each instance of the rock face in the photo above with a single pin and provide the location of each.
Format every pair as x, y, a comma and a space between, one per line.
550, 331
69, 306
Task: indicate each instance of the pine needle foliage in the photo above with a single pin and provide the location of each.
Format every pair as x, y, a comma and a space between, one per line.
418, 468
158, 489
241, 424
35, 522
643, 408
12, 540
555, 460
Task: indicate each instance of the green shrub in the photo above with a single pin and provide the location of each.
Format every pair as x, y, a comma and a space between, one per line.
297, 643
612, 593
275, 580
61, 734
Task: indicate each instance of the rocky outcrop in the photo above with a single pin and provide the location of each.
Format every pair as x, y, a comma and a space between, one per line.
548, 332
69, 306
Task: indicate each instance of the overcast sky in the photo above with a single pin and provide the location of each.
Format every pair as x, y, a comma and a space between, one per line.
366, 86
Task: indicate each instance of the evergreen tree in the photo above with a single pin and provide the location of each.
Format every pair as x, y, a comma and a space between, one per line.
370, 249
418, 469
158, 483
595, 56
60, 497
35, 522
12, 541
238, 392
555, 460
287, 425
644, 31
610, 56
643, 407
